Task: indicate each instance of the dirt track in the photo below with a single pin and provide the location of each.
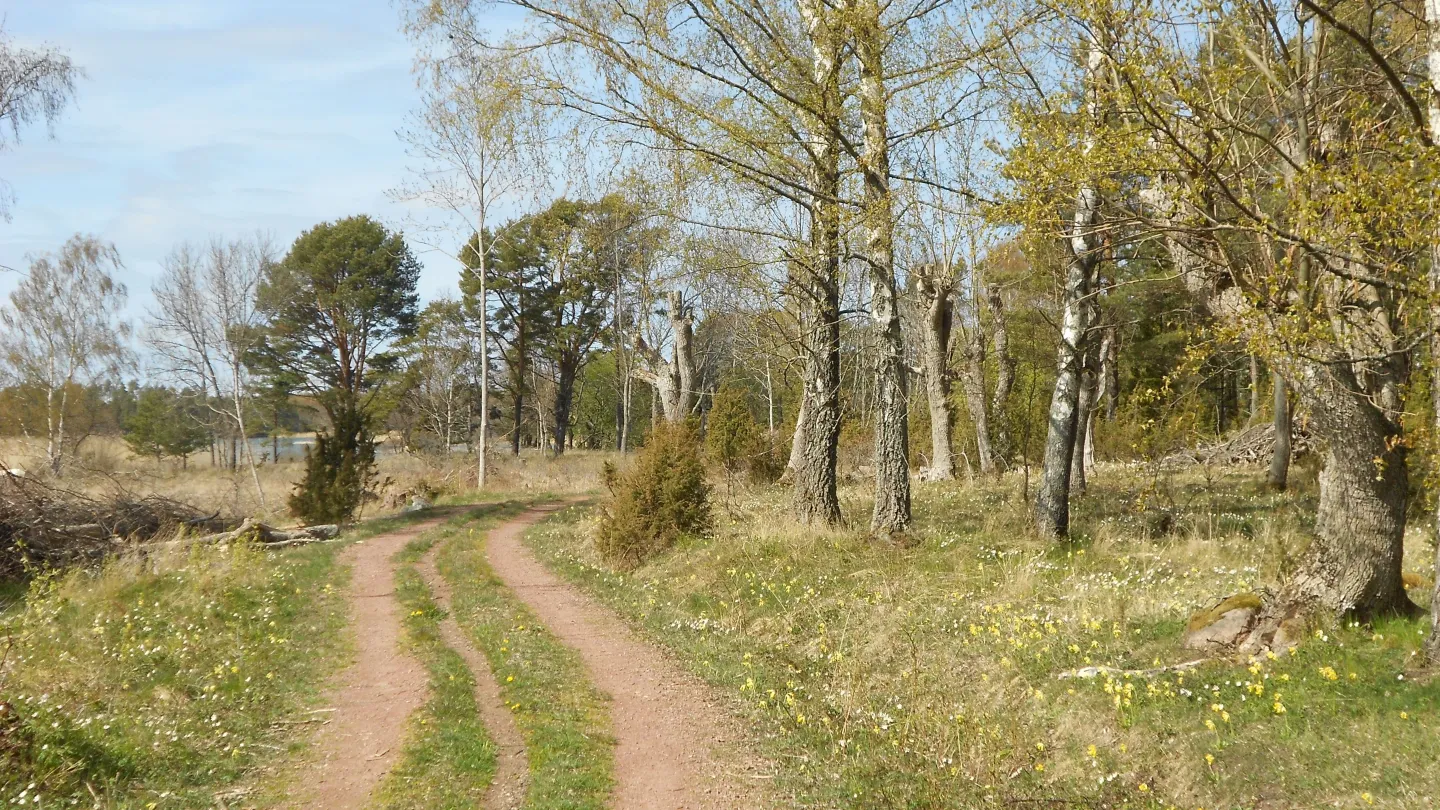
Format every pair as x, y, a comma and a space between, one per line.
376, 694
672, 741
675, 748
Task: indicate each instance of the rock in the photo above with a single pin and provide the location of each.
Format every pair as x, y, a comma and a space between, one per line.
1225, 632
417, 504
1223, 625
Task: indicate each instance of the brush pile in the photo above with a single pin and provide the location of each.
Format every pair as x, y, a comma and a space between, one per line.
1252, 446
42, 526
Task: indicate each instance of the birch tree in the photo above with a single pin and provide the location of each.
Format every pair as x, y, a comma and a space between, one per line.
475, 136
206, 326
36, 84
64, 329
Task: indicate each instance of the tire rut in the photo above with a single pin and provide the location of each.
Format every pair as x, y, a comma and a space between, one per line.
676, 749
377, 693
507, 790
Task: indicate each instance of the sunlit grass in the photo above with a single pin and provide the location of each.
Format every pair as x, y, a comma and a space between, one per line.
930, 676
157, 682
563, 718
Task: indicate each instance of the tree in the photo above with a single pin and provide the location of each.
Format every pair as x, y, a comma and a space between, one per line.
163, 425
207, 326
1052, 502
63, 328
673, 380
334, 306
477, 137
440, 359
520, 288
35, 84
732, 438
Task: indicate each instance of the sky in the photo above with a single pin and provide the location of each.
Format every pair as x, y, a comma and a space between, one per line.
201, 118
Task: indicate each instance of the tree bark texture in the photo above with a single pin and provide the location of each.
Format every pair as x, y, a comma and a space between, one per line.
1352, 567
815, 497
892, 412
1278, 476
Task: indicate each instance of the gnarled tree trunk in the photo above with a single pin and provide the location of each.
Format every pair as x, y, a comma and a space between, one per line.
938, 309
1352, 567
673, 380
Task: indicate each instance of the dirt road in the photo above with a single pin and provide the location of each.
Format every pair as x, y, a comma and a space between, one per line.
675, 747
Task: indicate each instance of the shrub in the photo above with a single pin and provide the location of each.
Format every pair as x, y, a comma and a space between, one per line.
663, 497
339, 470
736, 442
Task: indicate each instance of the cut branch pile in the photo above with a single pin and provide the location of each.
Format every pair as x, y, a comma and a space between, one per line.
44, 527
1253, 445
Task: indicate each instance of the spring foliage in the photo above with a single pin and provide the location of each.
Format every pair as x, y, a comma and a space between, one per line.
662, 498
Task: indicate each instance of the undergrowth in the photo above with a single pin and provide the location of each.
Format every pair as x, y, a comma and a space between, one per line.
930, 676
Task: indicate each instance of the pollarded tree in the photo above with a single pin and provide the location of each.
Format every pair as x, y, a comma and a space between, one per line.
335, 305
63, 329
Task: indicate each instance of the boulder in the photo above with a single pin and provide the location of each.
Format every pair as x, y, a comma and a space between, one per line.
1223, 626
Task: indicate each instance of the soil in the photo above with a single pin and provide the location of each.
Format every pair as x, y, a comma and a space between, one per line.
376, 693
676, 748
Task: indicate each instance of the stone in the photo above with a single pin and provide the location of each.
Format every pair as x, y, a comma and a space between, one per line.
1226, 630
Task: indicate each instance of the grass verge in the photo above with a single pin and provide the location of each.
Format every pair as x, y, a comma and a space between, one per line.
157, 683
884, 677
563, 718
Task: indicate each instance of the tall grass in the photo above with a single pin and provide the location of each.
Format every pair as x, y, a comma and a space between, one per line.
157, 682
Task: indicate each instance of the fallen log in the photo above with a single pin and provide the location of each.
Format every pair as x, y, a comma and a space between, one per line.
264, 534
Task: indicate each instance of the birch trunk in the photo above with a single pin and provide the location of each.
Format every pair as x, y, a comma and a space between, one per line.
1432, 24
483, 439
1084, 413
1052, 499
815, 497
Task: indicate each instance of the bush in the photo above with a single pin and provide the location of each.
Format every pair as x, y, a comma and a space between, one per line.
663, 497
339, 470
736, 442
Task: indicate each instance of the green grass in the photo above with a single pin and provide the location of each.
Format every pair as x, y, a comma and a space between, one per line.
449, 758
881, 677
157, 683
563, 718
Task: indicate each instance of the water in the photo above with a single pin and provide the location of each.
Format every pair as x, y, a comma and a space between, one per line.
292, 448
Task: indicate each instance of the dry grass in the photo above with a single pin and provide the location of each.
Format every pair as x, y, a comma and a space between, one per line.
105, 465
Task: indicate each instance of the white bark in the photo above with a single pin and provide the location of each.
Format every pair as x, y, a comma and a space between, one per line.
1052, 502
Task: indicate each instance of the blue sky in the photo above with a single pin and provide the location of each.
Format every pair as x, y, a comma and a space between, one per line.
213, 117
